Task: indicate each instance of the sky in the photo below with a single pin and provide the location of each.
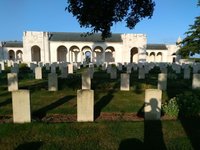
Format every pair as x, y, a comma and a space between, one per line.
170, 20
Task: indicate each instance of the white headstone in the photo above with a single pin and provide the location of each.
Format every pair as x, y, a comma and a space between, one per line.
52, 82
21, 106
38, 73
152, 109
125, 82
186, 73
113, 73
12, 81
162, 81
70, 68
85, 105
196, 81
141, 74
86, 80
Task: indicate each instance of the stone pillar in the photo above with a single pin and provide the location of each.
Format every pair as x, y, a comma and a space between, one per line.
86, 80
152, 109
85, 105
125, 82
38, 73
196, 81
162, 81
12, 81
52, 82
21, 106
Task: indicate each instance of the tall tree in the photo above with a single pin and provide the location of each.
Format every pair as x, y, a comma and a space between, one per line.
100, 15
191, 43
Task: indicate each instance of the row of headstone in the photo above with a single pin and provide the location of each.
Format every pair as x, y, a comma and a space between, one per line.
85, 105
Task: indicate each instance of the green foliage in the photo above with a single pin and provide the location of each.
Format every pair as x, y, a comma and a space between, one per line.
189, 103
171, 107
100, 15
191, 44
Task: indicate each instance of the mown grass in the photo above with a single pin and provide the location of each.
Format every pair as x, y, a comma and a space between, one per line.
171, 134
98, 136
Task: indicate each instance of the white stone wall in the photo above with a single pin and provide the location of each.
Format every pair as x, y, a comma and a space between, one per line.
134, 41
40, 39
100, 51
172, 49
5, 52
83, 47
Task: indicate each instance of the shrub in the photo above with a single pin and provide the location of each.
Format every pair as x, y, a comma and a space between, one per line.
171, 107
189, 103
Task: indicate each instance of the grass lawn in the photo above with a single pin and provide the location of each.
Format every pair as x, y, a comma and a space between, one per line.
102, 135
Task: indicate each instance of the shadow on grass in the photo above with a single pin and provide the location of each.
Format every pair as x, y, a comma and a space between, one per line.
105, 100
153, 138
42, 112
192, 129
30, 146
6, 102
36, 87
130, 144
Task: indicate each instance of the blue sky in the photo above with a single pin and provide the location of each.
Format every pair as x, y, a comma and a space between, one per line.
171, 19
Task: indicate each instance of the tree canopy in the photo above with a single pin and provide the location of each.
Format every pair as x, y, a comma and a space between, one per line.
100, 15
191, 43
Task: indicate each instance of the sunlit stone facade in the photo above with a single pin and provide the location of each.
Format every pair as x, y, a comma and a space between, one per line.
49, 47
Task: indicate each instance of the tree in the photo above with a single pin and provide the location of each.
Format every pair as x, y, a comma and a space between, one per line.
100, 15
191, 43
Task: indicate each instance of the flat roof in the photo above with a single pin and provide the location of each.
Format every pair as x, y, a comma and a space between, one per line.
83, 37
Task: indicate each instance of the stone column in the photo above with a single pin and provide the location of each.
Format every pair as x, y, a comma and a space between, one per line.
162, 81
125, 82
12, 81
152, 109
85, 105
21, 106
196, 81
52, 82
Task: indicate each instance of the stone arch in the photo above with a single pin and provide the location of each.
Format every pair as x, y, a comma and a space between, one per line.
11, 55
159, 57
74, 54
19, 54
35, 53
174, 57
87, 54
98, 54
61, 54
109, 54
152, 57
134, 55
